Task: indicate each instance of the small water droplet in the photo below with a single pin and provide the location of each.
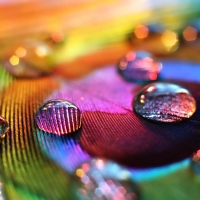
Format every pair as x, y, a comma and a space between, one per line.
58, 117
139, 66
164, 102
30, 59
4, 127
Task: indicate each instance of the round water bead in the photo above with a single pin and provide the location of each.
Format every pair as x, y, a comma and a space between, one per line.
139, 66
58, 117
164, 102
30, 59
4, 127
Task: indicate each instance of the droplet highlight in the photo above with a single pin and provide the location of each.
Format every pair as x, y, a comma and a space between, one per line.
4, 127
58, 117
164, 102
139, 66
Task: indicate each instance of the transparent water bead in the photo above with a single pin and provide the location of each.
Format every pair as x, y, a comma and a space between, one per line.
164, 102
21, 69
4, 127
58, 117
30, 59
139, 66
105, 180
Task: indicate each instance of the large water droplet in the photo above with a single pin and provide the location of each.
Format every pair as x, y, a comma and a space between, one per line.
101, 180
4, 127
58, 117
30, 59
139, 66
164, 102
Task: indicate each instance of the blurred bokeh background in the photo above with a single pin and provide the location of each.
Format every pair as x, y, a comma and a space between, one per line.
74, 29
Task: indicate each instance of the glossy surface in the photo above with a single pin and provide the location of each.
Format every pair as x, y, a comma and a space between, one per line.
58, 117
164, 102
4, 127
139, 66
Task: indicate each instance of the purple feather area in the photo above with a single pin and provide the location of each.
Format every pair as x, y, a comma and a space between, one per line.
112, 130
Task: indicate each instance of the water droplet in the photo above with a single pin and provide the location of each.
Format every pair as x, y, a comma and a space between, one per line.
100, 180
4, 127
30, 59
164, 102
58, 117
139, 66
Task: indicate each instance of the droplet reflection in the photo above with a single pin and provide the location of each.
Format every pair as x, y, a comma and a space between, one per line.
139, 66
164, 102
58, 117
